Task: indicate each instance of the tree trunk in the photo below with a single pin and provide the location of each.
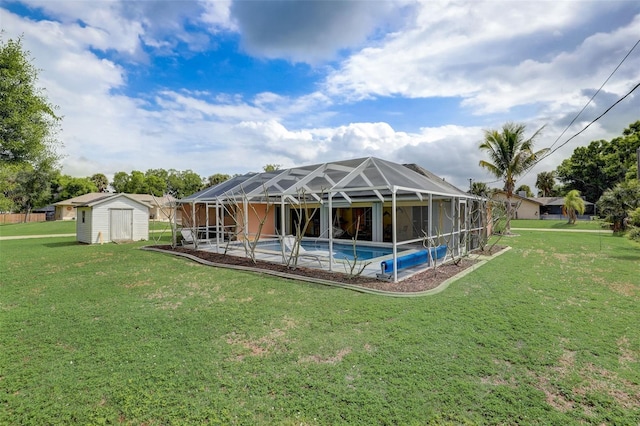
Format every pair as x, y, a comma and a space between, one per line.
507, 226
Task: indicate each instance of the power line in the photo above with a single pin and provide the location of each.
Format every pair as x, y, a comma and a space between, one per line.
593, 121
581, 111
596, 93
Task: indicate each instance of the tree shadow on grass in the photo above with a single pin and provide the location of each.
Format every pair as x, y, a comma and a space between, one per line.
628, 253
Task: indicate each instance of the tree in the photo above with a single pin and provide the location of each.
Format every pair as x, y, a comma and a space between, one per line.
271, 167
100, 181
510, 155
137, 183
545, 181
69, 187
573, 205
33, 188
480, 189
157, 181
602, 164
191, 181
120, 182
155, 185
217, 178
617, 203
526, 189
27, 121
28, 127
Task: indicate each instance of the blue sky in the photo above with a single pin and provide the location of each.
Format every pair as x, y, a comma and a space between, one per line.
228, 86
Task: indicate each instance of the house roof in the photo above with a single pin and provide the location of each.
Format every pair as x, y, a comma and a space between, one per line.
83, 199
111, 198
368, 177
555, 201
517, 197
92, 197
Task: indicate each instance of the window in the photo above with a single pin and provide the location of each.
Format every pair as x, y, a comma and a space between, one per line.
84, 213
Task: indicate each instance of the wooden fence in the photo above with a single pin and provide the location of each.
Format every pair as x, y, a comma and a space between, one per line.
19, 217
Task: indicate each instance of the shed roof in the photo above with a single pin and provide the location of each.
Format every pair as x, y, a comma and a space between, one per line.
92, 197
368, 177
113, 197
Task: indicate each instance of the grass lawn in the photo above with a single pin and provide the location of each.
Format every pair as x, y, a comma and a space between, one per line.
56, 227
546, 333
557, 224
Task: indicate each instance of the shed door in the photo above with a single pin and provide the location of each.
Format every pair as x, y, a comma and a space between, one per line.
121, 224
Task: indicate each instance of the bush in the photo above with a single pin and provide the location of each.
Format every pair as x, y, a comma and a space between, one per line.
634, 217
634, 234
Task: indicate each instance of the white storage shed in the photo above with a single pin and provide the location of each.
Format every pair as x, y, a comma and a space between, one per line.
112, 218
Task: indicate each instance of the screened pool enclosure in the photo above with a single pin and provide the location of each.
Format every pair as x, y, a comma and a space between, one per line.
363, 202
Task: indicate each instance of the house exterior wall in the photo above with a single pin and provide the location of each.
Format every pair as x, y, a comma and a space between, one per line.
65, 212
97, 221
83, 226
527, 209
269, 227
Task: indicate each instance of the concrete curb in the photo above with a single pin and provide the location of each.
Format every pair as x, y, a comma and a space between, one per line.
443, 286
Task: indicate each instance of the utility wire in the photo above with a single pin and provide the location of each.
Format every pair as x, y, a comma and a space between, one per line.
583, 129
581, 111
596, 93
593, 121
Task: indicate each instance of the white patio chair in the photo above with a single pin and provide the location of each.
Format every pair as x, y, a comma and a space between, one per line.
188, 238
290, 242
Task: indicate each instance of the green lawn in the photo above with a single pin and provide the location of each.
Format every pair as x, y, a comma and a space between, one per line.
546, 333
55, 227
556, 224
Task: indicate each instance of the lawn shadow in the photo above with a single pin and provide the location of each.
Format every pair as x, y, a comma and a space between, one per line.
628, 253
61, 244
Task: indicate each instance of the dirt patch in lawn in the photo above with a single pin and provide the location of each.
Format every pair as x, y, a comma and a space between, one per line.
419, 282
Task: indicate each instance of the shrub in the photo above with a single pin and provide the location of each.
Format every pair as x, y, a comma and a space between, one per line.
634, 217
634, 234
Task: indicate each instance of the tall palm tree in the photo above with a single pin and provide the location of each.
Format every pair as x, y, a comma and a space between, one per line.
545, 182
573, 204
510, 156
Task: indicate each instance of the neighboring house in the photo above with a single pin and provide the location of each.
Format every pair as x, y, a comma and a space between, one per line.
551, 208
118, 217
66, 209
380, 201
161, 208
525, 208
540, 207
49, 211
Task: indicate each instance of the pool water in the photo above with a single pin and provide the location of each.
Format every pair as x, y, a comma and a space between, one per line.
342, 251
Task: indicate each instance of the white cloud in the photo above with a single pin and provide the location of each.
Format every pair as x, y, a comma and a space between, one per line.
448, 49
462, 50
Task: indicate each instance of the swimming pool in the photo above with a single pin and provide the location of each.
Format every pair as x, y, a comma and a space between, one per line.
342, 251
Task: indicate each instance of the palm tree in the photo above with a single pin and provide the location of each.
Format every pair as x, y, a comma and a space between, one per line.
526, 189
101, 181
573, 203
480, 189
510, 156
545, 182
616, 203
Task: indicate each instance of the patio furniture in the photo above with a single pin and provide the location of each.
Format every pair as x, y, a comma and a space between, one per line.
188, 238
290, 242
